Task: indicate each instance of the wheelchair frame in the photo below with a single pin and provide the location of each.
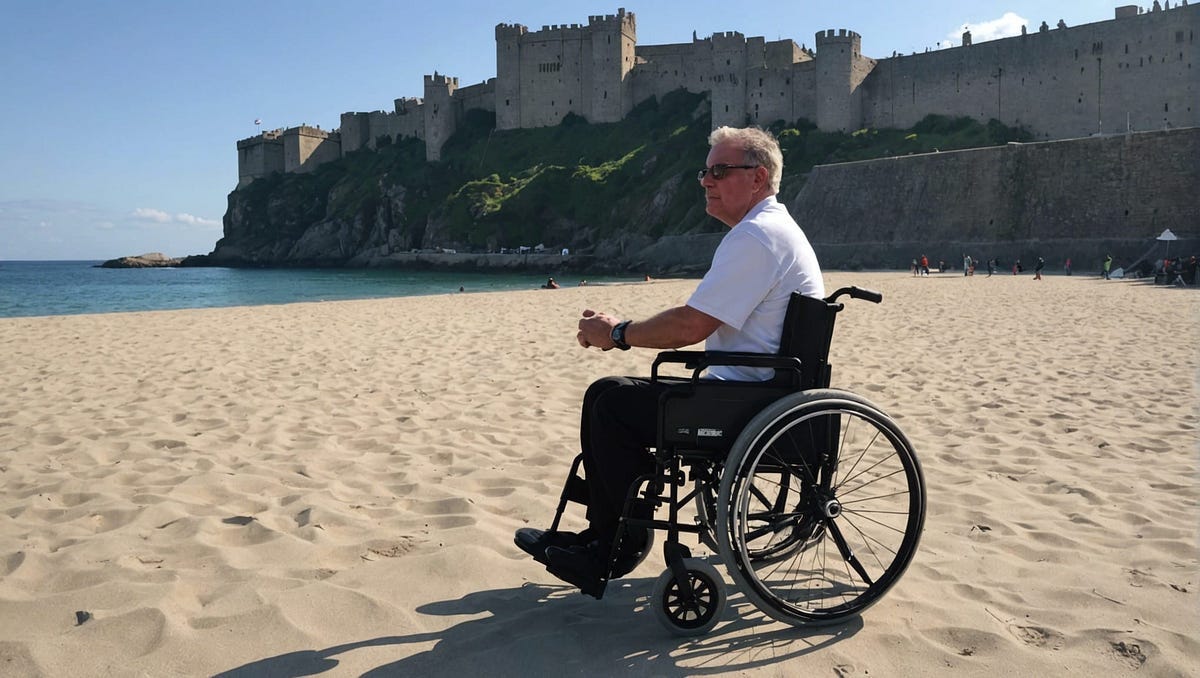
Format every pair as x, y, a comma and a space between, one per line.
782, 489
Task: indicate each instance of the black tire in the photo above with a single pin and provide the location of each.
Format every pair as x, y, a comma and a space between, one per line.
821, 507
708, 590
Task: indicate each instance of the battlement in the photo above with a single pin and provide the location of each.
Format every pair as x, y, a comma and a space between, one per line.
510, 31
622, 21
443, 80
729, 41
264, 137
840, 35
308, 131
406, 105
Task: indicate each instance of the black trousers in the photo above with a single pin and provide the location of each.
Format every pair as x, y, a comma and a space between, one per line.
619, 424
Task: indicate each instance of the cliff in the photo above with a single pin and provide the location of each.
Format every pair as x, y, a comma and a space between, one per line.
622, 197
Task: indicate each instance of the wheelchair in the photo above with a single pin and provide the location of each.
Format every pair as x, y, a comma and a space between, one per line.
812, 496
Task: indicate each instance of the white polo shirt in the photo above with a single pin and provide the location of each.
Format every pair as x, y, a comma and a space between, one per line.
757, 266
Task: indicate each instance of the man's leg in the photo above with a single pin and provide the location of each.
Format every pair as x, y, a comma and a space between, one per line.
619, 422
615, 431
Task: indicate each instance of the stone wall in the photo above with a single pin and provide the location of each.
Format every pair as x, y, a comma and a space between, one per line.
1078, 198
304, 148
1059, 83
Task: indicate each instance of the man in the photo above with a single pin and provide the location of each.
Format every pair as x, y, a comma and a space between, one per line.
739, 306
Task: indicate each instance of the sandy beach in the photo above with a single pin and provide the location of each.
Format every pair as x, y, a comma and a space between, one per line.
332, 488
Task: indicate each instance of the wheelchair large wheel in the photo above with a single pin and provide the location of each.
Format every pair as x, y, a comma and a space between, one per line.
821, 507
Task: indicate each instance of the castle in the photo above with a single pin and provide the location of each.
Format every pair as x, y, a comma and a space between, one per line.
1133, 72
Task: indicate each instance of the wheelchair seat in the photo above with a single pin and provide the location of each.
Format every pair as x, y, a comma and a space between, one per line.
702, 417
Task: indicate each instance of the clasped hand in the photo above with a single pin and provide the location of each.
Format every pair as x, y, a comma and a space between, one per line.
595, 329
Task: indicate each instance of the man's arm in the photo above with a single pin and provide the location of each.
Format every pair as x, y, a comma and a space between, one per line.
672, 328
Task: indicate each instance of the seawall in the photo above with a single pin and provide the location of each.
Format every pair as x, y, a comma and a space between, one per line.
1078, 198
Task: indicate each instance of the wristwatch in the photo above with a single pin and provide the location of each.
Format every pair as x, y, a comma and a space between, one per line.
618, 335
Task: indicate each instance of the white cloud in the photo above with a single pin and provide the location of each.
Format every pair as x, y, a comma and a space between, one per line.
1006, 26
184, 218
161, 217
152, 215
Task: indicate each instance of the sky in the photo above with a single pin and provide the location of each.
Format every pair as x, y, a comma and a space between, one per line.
120, 119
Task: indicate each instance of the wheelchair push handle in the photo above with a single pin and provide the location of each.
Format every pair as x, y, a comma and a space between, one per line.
857, 293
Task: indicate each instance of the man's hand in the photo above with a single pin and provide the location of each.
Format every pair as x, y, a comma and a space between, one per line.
595, 329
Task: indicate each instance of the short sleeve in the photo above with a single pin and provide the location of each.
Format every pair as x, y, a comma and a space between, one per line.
743, 272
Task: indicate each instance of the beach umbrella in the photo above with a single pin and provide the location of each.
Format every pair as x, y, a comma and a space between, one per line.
1168, 236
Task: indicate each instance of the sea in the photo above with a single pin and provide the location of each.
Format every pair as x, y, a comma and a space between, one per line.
43, 288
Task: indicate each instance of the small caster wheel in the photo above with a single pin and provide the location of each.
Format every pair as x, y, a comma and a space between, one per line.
708, 599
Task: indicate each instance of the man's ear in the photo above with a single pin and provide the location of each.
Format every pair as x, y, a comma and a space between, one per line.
762, 178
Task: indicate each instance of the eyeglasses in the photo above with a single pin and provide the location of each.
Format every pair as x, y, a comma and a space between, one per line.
719, 172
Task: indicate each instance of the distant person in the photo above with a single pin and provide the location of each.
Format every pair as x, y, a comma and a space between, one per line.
924, 265
915, 268
1067, 266
550, 285
966, 265
1037, 269
1107, 266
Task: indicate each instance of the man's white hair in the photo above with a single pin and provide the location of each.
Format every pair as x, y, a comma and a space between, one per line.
760, 148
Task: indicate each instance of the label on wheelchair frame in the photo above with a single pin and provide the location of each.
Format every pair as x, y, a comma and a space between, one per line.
709, 433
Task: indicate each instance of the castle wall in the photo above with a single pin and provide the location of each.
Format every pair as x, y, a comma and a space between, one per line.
659, 69
1059, 83
259, 156
481, 96
551, 71
304, 148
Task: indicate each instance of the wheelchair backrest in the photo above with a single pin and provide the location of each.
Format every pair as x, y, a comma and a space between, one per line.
807, 334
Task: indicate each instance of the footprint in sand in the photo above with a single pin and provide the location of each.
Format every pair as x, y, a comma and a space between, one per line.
1037, 636
1130, 654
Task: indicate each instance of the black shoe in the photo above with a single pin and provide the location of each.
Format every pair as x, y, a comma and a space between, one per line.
535, 542
586, 565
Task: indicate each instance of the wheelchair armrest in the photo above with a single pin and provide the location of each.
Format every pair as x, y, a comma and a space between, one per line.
698, 361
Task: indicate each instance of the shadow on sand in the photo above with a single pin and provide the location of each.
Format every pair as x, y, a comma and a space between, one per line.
538, 630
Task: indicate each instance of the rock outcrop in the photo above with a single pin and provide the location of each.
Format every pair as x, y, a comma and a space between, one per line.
148, 260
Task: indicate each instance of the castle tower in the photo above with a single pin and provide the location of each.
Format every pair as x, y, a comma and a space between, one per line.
728, 84
440, 118
305, 148
355, 130
508, 75
259, 156
614, 41
839, 103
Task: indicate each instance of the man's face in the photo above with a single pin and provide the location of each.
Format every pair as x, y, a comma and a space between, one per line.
730, 198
